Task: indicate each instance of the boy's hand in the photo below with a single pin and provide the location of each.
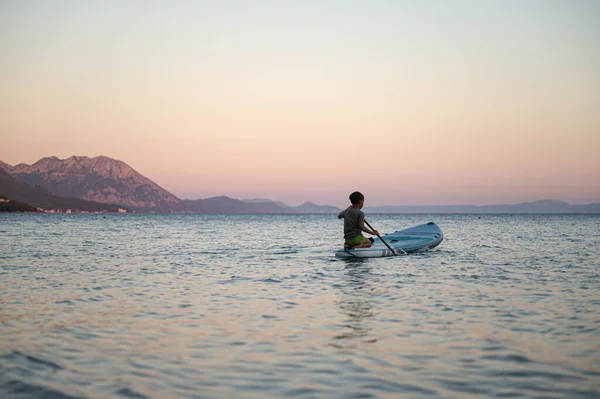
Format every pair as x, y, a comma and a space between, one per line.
375, 233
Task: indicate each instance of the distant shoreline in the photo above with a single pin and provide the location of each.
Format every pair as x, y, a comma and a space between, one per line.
300, 214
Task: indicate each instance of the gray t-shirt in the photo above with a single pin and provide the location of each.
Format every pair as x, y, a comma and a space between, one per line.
353, 217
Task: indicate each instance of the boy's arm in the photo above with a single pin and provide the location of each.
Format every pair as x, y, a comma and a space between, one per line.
361, 224
369, 231
341, 215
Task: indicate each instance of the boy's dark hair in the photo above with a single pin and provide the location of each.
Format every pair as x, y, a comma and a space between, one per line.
356, 197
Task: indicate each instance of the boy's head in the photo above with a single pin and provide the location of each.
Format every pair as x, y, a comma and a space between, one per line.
356, 197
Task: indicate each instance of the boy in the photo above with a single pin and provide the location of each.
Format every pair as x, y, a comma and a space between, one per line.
354, 223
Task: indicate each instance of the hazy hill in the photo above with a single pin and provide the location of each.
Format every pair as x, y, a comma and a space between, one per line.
225, 204
542, 206
99, 179
39, 197
266, 200
309, 207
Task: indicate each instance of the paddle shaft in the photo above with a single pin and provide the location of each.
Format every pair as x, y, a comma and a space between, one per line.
382, 240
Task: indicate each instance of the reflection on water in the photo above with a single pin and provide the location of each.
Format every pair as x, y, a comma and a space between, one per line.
354, 302
147, 306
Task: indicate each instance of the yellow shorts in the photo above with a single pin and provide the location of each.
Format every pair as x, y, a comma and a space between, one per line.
359, 239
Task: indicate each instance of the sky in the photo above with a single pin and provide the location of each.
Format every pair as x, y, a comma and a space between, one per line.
411, 103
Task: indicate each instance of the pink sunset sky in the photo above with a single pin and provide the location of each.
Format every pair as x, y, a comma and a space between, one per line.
432, 102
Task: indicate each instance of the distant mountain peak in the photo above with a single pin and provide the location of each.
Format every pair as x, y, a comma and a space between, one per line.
545, 202
100, 179
39, 197
266, 201
220, 198
310, 207
5, 166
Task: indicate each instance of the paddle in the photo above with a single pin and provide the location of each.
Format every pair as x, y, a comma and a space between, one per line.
382, 240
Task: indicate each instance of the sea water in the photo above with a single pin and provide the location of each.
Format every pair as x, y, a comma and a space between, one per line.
257, 306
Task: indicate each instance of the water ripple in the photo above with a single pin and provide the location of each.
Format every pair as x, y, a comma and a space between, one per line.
145, 306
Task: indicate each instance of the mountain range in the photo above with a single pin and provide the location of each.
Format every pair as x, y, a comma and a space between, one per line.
100, 179
103, 184
541, 206
39, 197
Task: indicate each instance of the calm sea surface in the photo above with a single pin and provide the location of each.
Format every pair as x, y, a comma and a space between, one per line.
257, 306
